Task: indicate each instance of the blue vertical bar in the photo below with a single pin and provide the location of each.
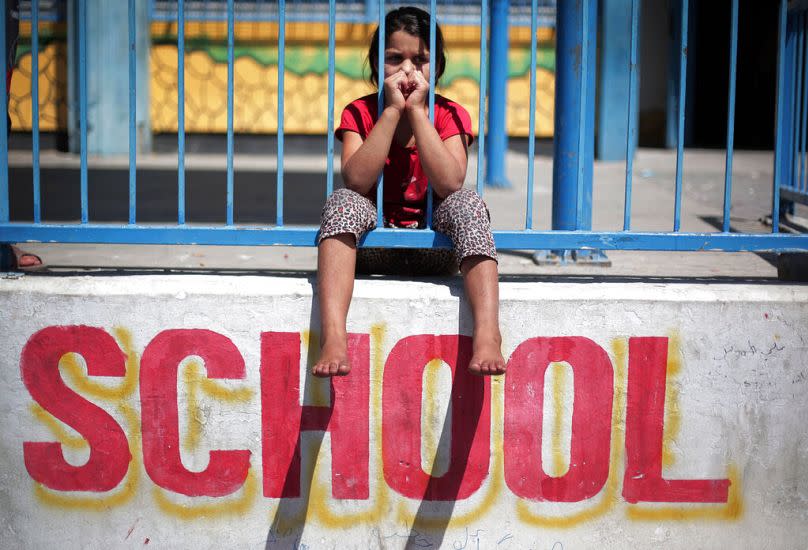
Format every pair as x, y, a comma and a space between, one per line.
796, 110
531, 140
4, 214
788, 104
674, 14
180, 112
780, 117
332, 29
579, 196
788, 114
733, 63
35, 108
483, 88
802, 180
497, 96
83, 104
281, 70
132, 114
682, 99
380, 101
231, 31
631, 124
432, 24
796, 82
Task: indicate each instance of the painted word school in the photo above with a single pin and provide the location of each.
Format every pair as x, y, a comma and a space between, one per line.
346, 419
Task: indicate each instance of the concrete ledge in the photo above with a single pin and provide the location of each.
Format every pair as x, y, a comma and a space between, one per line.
175, 410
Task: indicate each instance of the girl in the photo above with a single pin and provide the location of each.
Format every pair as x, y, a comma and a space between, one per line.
411, 150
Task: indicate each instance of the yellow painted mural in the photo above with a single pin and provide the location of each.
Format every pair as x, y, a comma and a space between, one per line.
52, 80
256, 77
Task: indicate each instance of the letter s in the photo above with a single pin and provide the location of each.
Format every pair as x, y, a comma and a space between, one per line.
109, 449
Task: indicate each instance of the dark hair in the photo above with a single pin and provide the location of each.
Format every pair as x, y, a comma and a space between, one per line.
411, 20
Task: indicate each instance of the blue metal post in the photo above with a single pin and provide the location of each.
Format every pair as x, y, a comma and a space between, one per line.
573, 155
497, 96
108, 76
568, 98
615, 68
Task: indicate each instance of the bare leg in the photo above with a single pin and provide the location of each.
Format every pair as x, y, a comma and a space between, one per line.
482, 290
336, 263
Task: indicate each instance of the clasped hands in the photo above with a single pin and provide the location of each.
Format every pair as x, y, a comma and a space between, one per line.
406, 91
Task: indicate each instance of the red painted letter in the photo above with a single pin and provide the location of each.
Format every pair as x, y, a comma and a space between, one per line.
226, 470
591, 419
401, 419
284, 418
643, 481
109, 449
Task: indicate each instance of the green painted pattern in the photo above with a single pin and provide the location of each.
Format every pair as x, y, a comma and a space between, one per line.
300, 60
350, 61
466, 64
46, 38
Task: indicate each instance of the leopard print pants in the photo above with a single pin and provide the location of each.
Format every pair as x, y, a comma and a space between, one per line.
462, 216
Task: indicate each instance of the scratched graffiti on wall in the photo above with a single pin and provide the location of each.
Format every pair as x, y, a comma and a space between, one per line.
116, 413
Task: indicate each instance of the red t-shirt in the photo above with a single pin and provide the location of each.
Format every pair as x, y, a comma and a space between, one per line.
404, 179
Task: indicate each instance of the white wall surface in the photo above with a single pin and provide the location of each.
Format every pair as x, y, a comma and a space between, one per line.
732, 408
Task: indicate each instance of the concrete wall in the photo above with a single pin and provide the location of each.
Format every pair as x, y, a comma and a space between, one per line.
166, 411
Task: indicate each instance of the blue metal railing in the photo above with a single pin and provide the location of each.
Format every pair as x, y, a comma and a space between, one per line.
574, 129
792, 107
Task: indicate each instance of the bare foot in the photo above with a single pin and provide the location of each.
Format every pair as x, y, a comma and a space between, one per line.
25, 259
333, 360
487, 357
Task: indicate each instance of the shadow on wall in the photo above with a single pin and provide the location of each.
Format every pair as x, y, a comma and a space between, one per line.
470, 449
290, 474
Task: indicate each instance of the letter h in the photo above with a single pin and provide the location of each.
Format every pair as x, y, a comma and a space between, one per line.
284, 418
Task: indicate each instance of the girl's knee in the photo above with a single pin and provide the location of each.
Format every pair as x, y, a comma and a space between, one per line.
342, 197
463, 206
464, 195
346, 211
347, 203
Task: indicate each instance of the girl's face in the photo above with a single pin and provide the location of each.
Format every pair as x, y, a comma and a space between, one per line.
405, 52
